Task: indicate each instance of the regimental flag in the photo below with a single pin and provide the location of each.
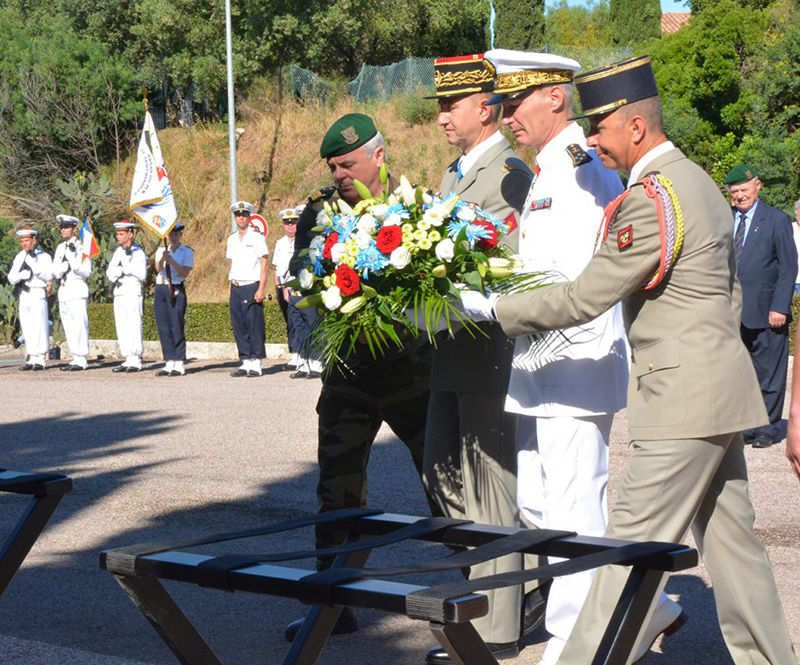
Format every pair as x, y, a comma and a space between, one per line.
90, 248
152, 202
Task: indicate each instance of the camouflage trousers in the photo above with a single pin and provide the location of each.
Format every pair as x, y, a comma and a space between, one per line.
347, 428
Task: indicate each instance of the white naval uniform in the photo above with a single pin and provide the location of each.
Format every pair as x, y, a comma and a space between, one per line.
128, 273
72, 270
567, 391
33, 273
282, 254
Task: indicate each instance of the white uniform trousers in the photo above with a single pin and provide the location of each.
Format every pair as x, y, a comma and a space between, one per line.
34, 323
562, 475
75, 320
672, 485
128, 320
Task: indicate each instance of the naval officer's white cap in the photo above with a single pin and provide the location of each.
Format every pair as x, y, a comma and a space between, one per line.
242, 206
67, 220
518, 72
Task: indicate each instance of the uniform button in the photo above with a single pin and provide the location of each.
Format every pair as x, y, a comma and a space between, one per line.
650, 367
523, 234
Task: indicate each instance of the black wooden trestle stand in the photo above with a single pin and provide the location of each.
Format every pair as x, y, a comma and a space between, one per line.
45, 490
447, 608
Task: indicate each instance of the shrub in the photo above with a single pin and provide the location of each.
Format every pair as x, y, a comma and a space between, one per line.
415, 110
205, 322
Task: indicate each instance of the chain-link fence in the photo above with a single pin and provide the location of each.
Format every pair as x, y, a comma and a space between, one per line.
415, 74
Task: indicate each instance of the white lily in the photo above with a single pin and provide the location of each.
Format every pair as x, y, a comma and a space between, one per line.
407, 191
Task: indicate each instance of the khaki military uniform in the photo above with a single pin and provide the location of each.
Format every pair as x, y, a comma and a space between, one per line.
692, 390
470, 464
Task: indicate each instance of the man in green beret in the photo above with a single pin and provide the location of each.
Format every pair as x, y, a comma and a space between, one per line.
766, 259
392, 389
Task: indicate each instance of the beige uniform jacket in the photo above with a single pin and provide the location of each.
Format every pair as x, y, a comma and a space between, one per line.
497, 183
691, 375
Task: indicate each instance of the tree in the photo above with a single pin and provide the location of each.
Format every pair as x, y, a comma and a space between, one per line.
519, 24
635, 20
588, 25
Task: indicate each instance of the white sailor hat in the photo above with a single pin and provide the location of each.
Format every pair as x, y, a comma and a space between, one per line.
289, 214
242, 206
518, 72
27, 231
67, 220
124, 224
299, 209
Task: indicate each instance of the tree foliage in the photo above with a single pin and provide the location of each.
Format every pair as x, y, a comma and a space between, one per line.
519, 24
635, 20
580, 25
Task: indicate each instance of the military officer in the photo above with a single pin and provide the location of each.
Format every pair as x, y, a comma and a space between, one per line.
565, 392
392, 389
173, 265
247, 251
72, 268
668, 257
127, 271
30, 272
469, 464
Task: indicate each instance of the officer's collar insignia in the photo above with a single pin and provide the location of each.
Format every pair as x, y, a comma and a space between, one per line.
511, 222
541, 204
625, 237
349, 135
579, 155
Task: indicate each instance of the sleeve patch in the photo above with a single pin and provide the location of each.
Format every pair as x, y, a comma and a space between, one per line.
625, 237
578, 155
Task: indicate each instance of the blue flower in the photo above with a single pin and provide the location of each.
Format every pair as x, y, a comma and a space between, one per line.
454, 227
344, 225
370, 259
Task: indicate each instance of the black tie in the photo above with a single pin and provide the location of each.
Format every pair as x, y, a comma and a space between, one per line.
738, 239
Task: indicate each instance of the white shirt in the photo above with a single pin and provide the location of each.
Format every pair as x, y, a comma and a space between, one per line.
586, 374
33, 271
183, 256
127, 272
72, 270
796, 234
284, 250
466, 162
644, 160
244, 256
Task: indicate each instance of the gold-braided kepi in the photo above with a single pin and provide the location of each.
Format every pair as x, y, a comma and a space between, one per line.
462, 75
608, 88
518, 72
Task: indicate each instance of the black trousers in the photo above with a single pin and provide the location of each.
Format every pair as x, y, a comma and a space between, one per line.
283, 303
247, 320
769, 351
170, 321
300, 323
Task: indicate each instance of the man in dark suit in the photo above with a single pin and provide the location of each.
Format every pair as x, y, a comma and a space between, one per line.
767, 267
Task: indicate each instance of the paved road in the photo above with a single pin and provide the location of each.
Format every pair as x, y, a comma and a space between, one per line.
164, 458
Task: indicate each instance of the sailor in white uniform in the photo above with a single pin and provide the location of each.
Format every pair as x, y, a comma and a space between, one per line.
72, 268
127, 271
30, 272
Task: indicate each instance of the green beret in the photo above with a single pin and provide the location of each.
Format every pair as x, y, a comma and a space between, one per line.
740, 174
349, 132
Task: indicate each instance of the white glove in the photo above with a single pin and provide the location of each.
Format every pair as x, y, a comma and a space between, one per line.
477, 306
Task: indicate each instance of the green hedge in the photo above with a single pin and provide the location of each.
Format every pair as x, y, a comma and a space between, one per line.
205, 322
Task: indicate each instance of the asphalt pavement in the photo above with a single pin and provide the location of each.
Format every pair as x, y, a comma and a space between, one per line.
158, 459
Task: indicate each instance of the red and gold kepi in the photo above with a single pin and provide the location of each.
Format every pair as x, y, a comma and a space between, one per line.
462, 75
608, 88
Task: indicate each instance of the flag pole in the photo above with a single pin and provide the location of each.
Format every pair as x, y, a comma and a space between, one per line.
231, 108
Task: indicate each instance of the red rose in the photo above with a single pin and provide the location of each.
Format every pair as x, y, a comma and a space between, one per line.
330, 241
389, 238
347, 280
491, 241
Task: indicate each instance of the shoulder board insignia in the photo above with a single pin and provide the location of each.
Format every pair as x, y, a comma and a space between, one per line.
625, 237
541, 204
578, 155
511, 222
323, 194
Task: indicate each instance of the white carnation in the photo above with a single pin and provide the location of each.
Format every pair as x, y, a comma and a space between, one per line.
466, 214
445, 250
306, 279
400, 257
332, 298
